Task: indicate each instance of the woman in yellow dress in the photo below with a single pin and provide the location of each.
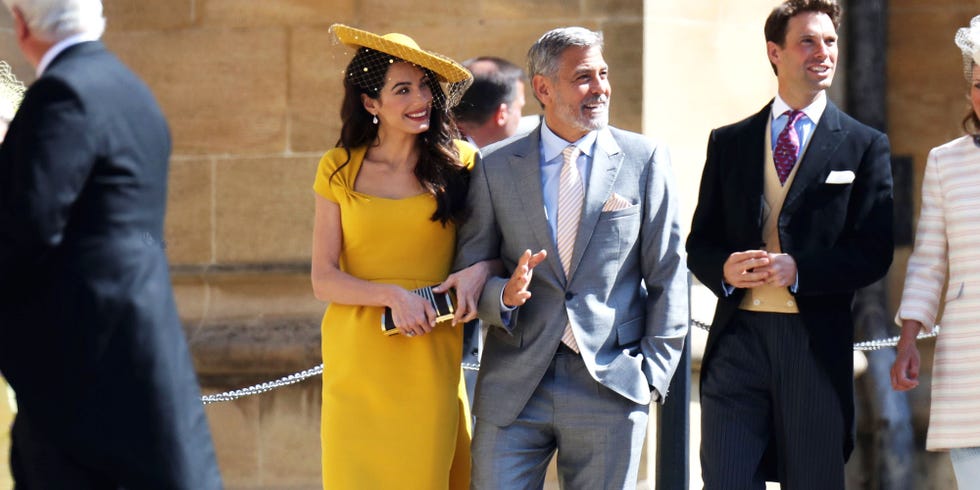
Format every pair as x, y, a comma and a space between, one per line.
388, 200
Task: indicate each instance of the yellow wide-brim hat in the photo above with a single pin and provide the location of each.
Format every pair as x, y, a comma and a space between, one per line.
403, 47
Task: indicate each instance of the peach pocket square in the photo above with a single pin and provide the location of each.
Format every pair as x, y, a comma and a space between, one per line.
840, 177
615, 203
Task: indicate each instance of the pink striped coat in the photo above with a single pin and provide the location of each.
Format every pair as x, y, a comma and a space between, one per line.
948, 238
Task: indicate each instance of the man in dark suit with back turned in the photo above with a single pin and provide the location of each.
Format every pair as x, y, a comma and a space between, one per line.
794, 215
89, 334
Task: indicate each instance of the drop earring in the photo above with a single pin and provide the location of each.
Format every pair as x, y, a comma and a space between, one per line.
375, 119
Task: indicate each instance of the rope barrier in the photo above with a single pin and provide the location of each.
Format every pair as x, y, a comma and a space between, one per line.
283, 381
868, 345
263, 387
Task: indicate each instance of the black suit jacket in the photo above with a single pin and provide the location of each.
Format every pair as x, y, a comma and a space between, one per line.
89, 334
839, 234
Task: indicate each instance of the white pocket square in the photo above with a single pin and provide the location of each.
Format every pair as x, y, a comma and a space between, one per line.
615, 203
840, 177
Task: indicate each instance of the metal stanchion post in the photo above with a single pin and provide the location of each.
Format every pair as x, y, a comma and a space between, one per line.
674, 423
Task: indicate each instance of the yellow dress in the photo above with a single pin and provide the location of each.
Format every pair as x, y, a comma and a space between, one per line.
394, 413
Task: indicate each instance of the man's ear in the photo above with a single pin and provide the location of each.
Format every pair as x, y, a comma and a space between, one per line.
542, 89
774, 51
500, 117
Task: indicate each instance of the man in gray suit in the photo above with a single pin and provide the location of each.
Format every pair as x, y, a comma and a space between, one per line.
574, 367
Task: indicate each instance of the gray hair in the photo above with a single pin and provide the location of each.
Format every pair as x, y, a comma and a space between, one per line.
543, 57
56, 20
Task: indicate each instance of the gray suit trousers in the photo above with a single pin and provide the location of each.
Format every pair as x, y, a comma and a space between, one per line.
597, 433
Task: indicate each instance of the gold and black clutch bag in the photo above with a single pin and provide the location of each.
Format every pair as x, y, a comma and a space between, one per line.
441, 302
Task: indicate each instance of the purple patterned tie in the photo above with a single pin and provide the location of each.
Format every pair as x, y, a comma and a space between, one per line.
787, 146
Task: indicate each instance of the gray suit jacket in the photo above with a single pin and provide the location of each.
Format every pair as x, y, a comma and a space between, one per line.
626, 297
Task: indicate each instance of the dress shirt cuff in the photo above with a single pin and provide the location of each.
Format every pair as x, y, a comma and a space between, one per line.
727, 288
505, 311
796, 284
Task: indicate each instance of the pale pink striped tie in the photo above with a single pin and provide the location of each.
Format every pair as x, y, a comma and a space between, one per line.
571, 194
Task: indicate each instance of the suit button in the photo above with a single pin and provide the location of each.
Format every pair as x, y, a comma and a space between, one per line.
757, 302
569, 295
789, 303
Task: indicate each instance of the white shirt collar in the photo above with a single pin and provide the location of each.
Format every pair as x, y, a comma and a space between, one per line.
552, 145
62, 45
812, 111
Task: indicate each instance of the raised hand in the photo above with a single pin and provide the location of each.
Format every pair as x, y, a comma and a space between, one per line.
516, 292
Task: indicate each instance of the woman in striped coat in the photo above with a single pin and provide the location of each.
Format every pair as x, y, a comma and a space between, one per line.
947, 241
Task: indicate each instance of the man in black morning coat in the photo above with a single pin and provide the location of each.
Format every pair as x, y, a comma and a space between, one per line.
90, 339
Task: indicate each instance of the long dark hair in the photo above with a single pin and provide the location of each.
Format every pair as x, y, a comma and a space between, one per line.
439, 169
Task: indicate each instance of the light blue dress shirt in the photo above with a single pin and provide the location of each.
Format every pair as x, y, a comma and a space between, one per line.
551, 148
804, 126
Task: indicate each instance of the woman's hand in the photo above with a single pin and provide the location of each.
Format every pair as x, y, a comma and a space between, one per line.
905, 369
468, 284
413, 315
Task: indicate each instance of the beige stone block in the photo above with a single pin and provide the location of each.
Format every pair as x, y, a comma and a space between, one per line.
749, 16
223, 90
314, 128
927, 91
188, 227
264, 209
560, 11
291, 435
704, 11
237, 437
256, 350
504, 38
383, 16
316, 67
934, 5
244, 296
623, 53
615, 8
193, 300
130, 15
247, 13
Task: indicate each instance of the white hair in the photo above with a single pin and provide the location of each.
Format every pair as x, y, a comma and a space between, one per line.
55, 20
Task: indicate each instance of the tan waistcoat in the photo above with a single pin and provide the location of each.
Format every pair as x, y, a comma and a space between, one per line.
771, 298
